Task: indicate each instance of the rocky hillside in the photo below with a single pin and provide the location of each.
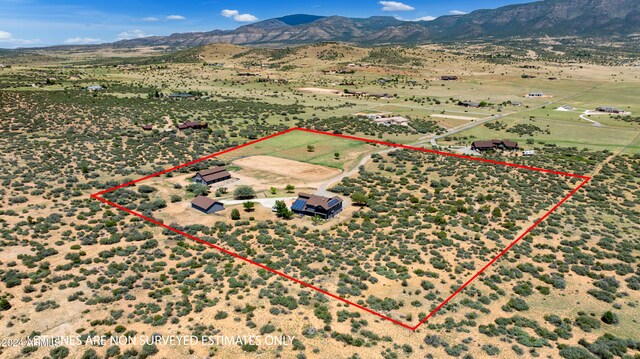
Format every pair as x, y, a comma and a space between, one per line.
540, 18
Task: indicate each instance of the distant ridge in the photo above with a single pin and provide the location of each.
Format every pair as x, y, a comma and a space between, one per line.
581, 18
299, 19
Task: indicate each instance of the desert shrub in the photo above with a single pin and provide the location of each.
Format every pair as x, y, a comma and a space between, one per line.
609, 317
146, 189
517, 304
221, 315
90, 354
147, 351
59, 353
267, 328
244, 192
491, 350
587, 323
569, 352
198, 189
4, 304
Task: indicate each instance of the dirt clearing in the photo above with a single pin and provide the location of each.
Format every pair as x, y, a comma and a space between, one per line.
288, 168
320, 91
465, 118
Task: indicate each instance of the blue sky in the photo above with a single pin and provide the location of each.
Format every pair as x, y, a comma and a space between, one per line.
28, 23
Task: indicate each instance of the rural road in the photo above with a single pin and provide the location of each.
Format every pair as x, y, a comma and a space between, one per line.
464, 127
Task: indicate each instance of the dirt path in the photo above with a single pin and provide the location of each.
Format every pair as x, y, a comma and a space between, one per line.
169, 125
614, 155
584, 117
464, 127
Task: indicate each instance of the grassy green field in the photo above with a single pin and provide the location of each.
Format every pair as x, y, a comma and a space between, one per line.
293, 146
570, 132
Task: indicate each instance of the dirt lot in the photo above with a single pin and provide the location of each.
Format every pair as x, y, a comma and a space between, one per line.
284, 167
466, 118
320, 90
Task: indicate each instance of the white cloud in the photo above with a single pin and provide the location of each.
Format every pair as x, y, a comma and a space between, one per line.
81, 41
176, 17
424, 18
7, 38
133, 34
237, 16
150, 19
395, 6
456, 12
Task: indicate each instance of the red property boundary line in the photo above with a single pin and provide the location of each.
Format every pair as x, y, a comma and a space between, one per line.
585, 179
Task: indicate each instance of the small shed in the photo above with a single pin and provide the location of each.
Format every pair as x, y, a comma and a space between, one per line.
206, 205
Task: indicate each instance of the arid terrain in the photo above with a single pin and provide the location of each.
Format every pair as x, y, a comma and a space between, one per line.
416, 226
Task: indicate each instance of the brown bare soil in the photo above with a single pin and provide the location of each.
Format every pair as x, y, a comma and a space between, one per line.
285, 167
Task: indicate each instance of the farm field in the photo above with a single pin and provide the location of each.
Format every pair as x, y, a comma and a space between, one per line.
295, 146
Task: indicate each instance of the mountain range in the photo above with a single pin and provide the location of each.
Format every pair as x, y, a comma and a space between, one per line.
541, 18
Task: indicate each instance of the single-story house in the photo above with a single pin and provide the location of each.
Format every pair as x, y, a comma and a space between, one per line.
313, 205
494, 145
482, 145
206, 205
211, 176
609, 109
395, 120
468, 104
193, 125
